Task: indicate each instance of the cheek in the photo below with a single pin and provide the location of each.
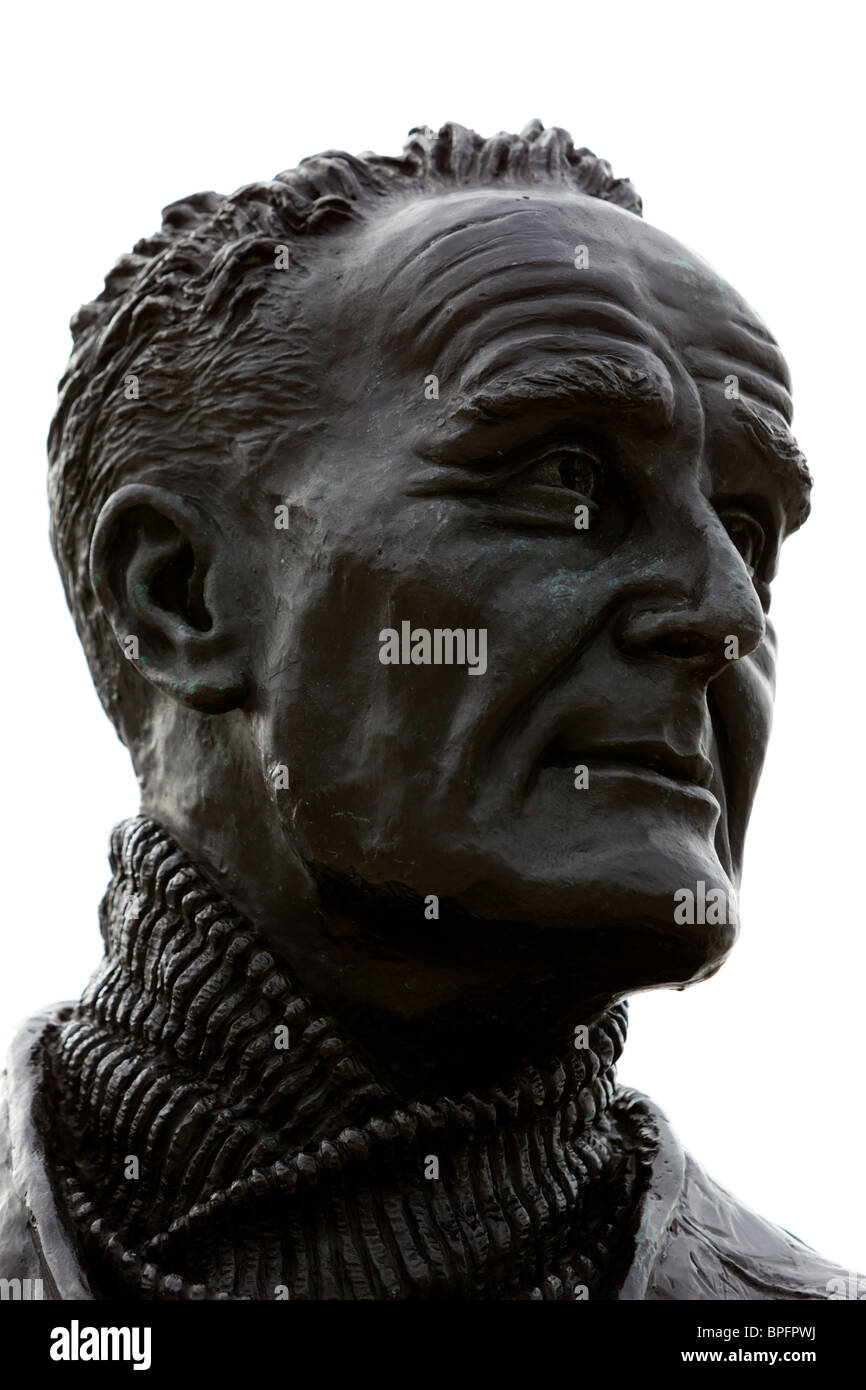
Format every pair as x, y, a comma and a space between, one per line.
360, 746
742, 703
743, 699
756, 682
375, 751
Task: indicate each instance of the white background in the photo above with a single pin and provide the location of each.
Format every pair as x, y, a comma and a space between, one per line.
742, 127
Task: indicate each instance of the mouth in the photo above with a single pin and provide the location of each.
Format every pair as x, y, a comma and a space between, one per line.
651, 759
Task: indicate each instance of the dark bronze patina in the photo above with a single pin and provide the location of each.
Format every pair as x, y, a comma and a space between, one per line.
368, 944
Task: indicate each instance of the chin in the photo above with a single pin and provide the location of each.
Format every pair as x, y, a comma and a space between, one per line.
615, 917
607, 868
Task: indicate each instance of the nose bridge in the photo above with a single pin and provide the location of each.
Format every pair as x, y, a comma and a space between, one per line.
699, 598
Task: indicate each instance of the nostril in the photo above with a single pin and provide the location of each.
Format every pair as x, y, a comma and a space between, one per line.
674, 634
683, 644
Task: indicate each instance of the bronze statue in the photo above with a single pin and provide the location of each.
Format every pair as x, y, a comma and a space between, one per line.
418, 517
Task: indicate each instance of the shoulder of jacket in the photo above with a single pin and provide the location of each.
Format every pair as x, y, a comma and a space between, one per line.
696, 1241
38, 1256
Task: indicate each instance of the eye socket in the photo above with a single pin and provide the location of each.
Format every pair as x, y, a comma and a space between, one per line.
748, 537
570, 467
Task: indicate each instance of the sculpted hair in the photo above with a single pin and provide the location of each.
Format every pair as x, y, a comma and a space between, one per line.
166, 366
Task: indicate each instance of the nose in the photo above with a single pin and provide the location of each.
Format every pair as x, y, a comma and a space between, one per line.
693, 618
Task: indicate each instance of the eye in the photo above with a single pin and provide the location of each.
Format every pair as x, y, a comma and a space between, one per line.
748, 537
572, 467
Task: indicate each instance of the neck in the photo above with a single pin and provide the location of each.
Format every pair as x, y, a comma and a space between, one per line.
224, 1139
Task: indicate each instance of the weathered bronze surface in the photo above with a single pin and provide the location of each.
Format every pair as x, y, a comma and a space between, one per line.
418, 517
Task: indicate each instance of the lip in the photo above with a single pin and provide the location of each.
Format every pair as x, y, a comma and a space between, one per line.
656, 758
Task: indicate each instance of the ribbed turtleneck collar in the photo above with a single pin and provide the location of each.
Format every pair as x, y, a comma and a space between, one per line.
222, 1138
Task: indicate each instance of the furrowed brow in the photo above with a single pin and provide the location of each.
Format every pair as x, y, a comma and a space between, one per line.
619, 381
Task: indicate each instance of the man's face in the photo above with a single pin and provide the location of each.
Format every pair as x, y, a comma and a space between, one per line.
497, 360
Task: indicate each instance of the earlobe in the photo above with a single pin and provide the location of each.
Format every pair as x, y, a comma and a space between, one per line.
168, 589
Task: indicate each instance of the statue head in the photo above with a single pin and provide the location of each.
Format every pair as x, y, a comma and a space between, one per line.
418, 517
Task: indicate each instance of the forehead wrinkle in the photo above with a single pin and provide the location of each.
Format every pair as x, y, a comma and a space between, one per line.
754, 328
752, 382
503, 252
466, 230
538, 219
451, 340
502, 283
734, 352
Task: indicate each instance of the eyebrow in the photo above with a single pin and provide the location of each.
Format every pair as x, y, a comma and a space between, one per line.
638, 382
774, 441
623, 381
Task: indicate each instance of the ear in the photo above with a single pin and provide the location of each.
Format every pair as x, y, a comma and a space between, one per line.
169, 589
